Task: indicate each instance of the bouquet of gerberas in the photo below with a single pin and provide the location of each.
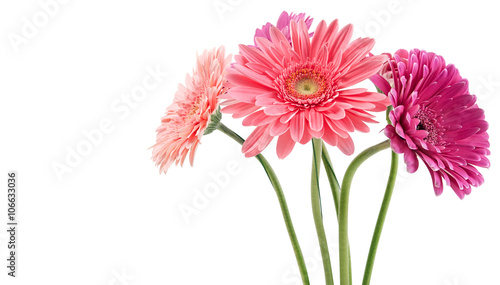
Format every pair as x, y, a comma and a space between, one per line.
296, 85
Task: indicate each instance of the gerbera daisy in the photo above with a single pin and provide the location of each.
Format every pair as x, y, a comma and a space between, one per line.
436, 119
386, 71
283, 25
188, 116
298, 91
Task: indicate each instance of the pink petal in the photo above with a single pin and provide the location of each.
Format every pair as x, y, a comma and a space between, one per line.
297, 126
285, 145
346, 145
315, 120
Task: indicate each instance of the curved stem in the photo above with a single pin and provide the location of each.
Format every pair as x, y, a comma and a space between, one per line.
281, 198
316, 207
381, 218
335, 187
344, 204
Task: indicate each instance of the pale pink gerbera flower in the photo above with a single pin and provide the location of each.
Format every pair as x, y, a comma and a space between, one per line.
188, 116
435, 118
283, 25
298, 91
386, 71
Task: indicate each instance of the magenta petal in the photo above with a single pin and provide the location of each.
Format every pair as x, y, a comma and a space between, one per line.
435, 118
437, 182
381, 83
411, 161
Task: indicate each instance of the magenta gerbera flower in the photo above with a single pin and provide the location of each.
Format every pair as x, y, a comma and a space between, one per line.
436, 119
298, 91
283, 25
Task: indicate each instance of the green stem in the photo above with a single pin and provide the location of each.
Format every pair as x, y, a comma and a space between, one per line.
344, 204
316, 207
334, 183
281, 197
335, 187
381, 218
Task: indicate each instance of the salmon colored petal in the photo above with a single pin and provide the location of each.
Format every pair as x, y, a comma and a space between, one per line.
187, 117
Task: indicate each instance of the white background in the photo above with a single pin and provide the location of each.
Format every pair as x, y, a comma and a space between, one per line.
114, 215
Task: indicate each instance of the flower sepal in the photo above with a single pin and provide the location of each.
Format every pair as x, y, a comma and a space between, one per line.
214, 122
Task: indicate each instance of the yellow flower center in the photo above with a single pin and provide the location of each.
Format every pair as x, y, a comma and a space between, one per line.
306, 86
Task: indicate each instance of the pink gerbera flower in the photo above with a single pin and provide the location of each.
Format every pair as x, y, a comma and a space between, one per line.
188, 116
435, 118
298, 91
283, 25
